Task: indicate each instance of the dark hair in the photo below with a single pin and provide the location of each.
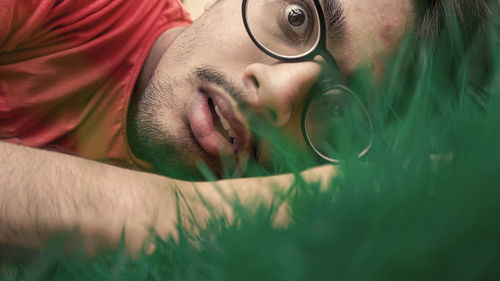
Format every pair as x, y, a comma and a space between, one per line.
456, 43
439, 20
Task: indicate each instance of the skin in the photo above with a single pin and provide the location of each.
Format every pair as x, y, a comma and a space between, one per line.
47, 192
218, 43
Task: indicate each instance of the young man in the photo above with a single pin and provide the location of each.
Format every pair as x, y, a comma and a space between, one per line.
89, 78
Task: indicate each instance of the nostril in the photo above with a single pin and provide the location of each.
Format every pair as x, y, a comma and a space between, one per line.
252, 85
273, 115
255, 81
251, 81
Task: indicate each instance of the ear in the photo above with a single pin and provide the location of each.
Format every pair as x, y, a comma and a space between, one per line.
210, 3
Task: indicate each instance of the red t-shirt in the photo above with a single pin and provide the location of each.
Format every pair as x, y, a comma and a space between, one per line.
68, 69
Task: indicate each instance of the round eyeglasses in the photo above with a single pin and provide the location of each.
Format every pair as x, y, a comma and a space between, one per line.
335, 124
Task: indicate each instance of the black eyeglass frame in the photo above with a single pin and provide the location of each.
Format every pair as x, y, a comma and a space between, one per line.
333, 75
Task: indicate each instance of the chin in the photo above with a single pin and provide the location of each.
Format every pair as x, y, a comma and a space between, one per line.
187, 166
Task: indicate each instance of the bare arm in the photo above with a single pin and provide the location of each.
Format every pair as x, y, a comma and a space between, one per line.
43, 192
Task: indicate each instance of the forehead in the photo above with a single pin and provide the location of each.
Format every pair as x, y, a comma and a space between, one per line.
373, 30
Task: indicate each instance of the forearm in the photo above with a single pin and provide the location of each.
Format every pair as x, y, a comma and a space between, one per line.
43, 193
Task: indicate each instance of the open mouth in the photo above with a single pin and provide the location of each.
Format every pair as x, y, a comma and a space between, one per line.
222, 125
215, 124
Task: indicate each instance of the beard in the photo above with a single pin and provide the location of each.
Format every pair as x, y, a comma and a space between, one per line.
158, 121
156, 128
159, 131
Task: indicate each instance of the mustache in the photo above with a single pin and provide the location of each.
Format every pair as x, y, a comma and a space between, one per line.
216, 77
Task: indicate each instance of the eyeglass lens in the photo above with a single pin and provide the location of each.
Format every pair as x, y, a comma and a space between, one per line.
336, 125
286, 28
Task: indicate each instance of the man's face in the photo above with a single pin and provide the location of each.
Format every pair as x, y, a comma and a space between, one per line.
191, 108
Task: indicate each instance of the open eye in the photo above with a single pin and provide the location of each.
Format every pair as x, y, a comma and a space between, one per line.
297, 21
296, 16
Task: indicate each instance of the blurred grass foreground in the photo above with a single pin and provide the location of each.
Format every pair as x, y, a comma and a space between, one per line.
424, 204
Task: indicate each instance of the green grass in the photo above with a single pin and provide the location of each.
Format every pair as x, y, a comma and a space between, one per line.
423, 205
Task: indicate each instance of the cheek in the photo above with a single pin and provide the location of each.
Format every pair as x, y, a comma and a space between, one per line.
293, 131
233, 50
226, 41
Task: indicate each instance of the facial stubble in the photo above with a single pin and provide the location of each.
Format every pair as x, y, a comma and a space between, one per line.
161, 122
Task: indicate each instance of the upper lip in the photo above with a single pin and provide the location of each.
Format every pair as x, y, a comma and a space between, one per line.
232, 115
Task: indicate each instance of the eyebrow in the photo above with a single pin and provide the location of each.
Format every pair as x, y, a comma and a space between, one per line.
336, 25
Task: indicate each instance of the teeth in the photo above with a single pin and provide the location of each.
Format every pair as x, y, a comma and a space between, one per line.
225, 124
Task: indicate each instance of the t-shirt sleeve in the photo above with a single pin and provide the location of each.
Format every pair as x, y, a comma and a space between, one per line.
22, 21
19, 19
68, 69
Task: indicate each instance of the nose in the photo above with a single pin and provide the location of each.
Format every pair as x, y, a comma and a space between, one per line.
276, 91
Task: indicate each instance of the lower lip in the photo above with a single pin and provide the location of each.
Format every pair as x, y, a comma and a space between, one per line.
202, 126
